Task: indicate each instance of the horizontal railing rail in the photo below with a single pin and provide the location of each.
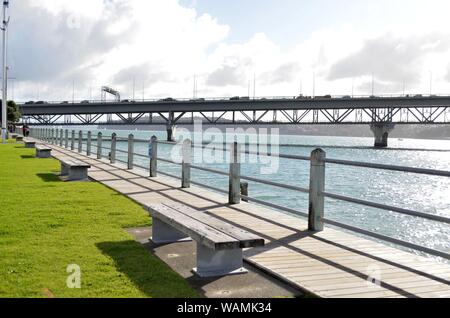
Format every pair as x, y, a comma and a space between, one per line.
239, 190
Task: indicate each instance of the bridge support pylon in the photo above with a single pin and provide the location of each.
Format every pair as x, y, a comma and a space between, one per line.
381, 132
171, 127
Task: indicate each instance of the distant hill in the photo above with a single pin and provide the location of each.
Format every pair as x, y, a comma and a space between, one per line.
400, 131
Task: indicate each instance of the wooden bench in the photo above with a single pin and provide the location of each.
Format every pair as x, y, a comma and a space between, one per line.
219, 244
19, 138
73, 170
13, 136
43, 151
29, 143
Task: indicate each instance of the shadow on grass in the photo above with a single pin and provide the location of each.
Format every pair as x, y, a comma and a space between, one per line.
28, 157
152, 276
48, 177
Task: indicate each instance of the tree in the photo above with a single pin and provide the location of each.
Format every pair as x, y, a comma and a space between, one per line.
13, 113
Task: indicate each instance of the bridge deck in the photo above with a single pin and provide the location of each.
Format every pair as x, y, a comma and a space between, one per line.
329, 264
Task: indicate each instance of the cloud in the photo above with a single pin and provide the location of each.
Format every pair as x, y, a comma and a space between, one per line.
391, 58
285, 73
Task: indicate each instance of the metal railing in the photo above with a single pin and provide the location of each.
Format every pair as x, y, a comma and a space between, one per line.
239, 190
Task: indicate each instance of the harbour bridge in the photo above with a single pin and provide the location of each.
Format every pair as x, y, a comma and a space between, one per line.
382, 113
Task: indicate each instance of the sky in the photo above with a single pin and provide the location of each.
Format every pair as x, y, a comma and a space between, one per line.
65, 49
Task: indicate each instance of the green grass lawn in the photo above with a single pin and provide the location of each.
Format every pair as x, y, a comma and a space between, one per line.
46, 224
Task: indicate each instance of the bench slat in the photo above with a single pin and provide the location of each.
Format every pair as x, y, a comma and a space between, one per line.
71, 162
200, 232
245, 238
42, 148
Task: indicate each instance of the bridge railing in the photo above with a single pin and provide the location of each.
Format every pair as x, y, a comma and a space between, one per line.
242, 98
238, 190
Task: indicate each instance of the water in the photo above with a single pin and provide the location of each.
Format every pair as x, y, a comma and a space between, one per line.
427, 194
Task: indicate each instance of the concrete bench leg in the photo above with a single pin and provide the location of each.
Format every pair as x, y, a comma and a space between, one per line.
164, 234
78, 174
30, 145
43, 154
64, 170
212, 263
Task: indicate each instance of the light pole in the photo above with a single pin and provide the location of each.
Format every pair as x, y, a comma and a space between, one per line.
5, 72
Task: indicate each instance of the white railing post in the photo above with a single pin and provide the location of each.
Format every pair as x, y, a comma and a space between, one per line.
66, 138
234, 192
130, 152
99, 145
112, 155
61, 137
80, 141
186, 164
72, 141
88, 146
52, 138
316, 188
153, 154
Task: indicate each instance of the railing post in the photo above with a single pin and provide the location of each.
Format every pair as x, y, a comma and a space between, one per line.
234, 192
153, 154
80, 141
61, 137
112, 155
72, 141
316, 188
99, 145
66, 138
186, 165
130, 152
89, 141
52, 137
244, 191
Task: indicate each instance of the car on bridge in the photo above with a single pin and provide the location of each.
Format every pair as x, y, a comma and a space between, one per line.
40, 102
85, 102
64, 102
168, 99
235, 98
29, 103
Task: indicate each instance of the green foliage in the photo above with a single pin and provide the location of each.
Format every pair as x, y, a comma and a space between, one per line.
13, 113
47, 225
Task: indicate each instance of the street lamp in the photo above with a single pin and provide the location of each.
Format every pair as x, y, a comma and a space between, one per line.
5, 71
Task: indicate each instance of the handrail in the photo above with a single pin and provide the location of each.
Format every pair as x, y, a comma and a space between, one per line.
387, 207
276, 184
430, 172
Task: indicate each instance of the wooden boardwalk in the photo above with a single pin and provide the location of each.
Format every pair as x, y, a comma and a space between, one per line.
328, 264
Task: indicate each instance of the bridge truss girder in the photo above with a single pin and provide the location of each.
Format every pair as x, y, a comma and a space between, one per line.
412, 115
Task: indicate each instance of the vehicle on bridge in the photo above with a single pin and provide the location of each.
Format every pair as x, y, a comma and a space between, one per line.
168, 99
29, 103
85, 102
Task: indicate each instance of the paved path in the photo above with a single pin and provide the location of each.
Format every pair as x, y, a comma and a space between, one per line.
329, 264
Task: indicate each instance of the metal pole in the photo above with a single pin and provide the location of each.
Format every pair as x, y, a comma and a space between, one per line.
61, 137
153, 153
234, 193
5, 73
186, 165
130, 151
316, 188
